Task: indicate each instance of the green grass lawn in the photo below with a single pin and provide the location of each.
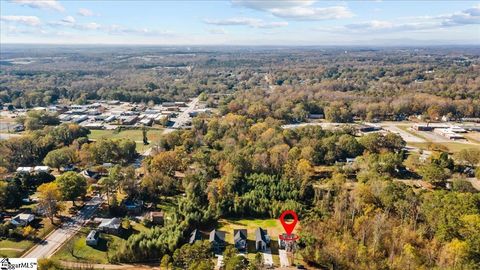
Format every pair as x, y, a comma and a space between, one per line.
99, 254
13, 249
133, 134
136, 135
84, 253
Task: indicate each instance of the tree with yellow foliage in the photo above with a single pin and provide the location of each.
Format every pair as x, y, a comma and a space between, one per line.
50, 199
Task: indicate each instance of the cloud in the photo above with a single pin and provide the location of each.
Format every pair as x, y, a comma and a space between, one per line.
42, 4
69, 20
25, 20
252, 22
469, 16
464, 17
85, 12
217, 31
302, 10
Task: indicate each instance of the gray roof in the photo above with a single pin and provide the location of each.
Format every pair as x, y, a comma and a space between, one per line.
217, 236
196, 235
260, 235
240, 234
113, 223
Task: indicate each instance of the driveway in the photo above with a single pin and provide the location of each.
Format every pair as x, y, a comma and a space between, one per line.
47, 247
267, 257
284, 262
219, 261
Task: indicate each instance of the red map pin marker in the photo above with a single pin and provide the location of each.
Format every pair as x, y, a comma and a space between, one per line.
288, 226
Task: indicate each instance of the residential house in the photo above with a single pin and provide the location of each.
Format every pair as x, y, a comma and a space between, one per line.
262, 240
22, 219
240, 239
196, 235
42, 169
18, 128
25, 170
156, 217
90, 175
217, 238
92, 238
112, 225
133, 206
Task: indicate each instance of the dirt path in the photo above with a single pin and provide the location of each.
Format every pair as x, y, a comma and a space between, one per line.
13, 249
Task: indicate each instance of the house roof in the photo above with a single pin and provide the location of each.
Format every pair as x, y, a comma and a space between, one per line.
24, 216
41, 168
240, 234
113, 223
260, 235
24, 169
89, 173
156, 214
194, 236
92, 235
217, 236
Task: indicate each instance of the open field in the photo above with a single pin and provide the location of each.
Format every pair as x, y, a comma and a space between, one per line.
451, 146
136, 135
153, 135
473, 137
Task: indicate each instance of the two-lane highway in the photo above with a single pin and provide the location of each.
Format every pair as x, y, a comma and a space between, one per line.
55, 240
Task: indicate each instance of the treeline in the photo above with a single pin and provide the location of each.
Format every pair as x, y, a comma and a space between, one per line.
386, 225
295, 104
62, 145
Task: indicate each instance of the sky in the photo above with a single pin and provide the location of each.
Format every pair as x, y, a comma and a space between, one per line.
240, 22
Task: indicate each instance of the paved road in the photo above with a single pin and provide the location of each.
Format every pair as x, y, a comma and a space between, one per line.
184, 116
55, 240
6, 136
406, 136
219, 261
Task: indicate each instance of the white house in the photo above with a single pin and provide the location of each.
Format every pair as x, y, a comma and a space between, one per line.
24, 170
39, 169
22, 219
